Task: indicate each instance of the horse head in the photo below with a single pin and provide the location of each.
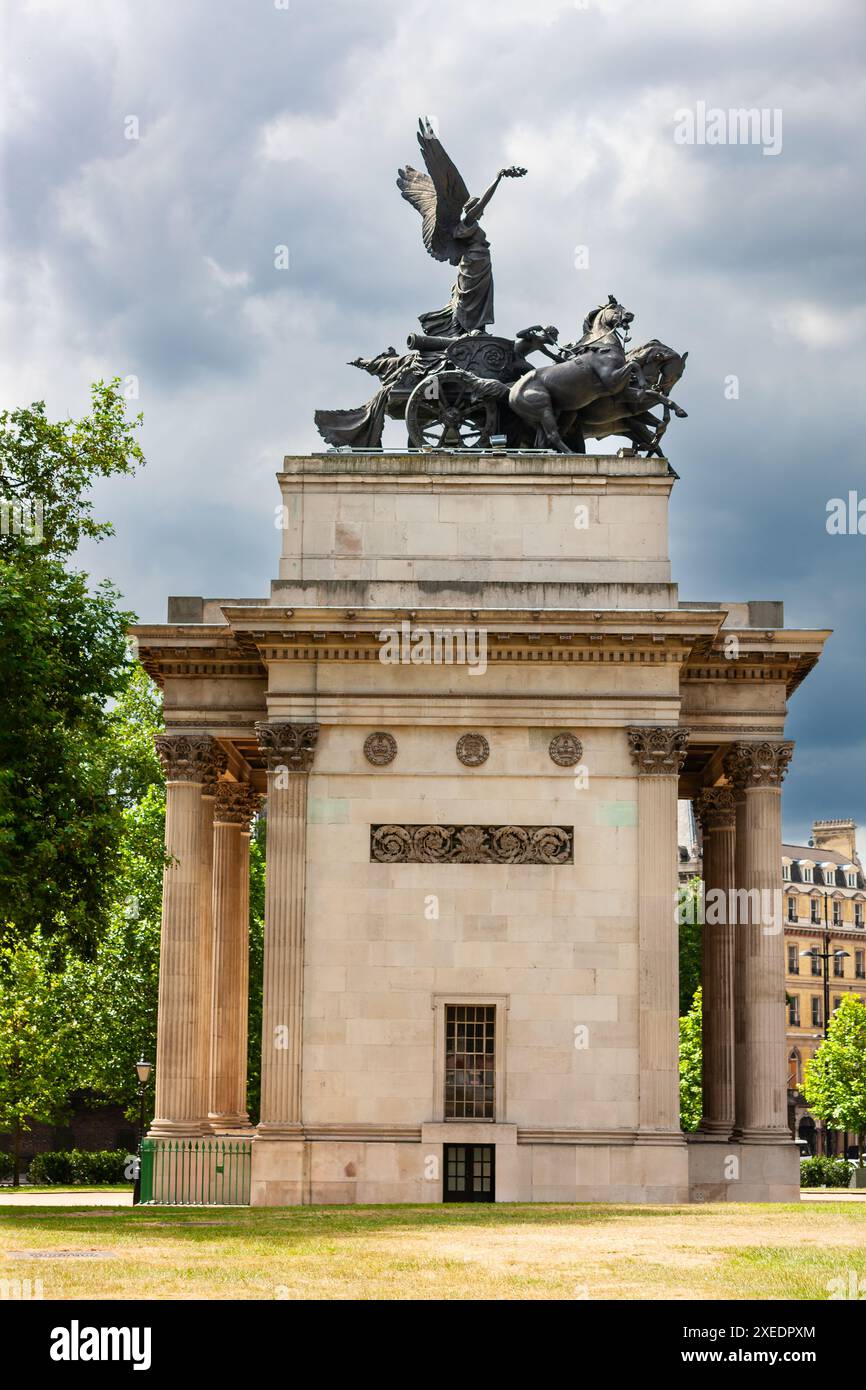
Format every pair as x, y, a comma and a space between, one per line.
662, 366
607, 318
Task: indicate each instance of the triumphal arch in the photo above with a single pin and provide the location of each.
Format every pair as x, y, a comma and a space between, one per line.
468, 707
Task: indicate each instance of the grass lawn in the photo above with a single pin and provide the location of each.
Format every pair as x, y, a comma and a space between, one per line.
503, 1251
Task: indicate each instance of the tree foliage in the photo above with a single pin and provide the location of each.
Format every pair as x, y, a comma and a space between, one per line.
63, 659
36, 1037
690, 911
691, 1092
834, 1081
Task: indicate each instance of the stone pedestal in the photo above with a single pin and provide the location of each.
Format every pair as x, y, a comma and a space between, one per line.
493, 826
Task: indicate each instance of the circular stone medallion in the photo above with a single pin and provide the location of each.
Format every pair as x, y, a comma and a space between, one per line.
380, 748
473, 749
565, 750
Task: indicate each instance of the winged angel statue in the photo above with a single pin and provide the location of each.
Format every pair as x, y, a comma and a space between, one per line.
452, 232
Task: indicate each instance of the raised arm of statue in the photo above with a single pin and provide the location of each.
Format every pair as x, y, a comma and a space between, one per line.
474, 207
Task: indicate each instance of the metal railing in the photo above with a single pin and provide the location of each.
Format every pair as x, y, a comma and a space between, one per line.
196, 1172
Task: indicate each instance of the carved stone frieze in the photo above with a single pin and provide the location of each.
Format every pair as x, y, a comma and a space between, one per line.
472, 844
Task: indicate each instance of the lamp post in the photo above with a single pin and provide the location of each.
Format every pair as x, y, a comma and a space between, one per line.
826, 955
143, 1070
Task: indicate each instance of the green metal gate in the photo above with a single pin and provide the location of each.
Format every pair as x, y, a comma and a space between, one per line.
196, 1172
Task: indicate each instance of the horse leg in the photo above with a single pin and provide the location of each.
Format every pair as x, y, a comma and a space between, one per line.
551, 432
659, 398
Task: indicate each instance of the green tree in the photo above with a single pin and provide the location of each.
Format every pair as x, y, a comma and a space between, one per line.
691, 1093
834, 1081
115, 991
47, 468
63, 659
36, 1034
690, 912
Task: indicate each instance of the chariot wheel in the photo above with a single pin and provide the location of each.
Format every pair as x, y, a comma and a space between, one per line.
442, 414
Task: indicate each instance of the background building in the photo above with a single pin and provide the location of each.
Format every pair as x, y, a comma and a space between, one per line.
824, 897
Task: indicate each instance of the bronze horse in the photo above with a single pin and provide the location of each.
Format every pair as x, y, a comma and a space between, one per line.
596, 385
657, 369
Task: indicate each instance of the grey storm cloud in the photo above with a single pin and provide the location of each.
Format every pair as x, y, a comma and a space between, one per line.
264, 125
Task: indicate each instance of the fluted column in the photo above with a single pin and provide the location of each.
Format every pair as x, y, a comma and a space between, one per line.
236, 803
716, 811
757, 770
658, 754
741, 943
191, 764
289, 749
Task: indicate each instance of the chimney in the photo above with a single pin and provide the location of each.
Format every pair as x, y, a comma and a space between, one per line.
839, 835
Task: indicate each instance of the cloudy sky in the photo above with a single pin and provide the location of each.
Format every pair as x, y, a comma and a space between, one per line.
263, 124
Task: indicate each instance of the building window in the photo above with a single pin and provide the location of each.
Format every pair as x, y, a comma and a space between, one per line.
814, 911
807, 872
837, 914
794, 1011
860, 965
786, 871
839, 966
794, 1070
792, 909
837, 1000
793, 961
851, 880
858, 914
470, 1061
830, 878
816, 960
816, 1011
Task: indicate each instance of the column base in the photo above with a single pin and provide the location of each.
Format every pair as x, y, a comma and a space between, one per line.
660, 1136
178, 1129
715, 1129
237, 1125
759, 1134
267, 1130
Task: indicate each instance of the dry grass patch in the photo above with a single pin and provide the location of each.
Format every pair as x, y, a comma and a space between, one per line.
472, 1252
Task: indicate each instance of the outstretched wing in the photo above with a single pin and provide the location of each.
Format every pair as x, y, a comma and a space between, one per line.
438, 195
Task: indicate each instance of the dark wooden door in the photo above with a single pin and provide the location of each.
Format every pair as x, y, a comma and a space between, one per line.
470, 1173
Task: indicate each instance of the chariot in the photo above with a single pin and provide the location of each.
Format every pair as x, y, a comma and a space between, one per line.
459, 402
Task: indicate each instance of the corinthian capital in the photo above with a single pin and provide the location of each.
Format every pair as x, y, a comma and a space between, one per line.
289, 746
659, 751
191, 758
757, 764
715, 808
236, 804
